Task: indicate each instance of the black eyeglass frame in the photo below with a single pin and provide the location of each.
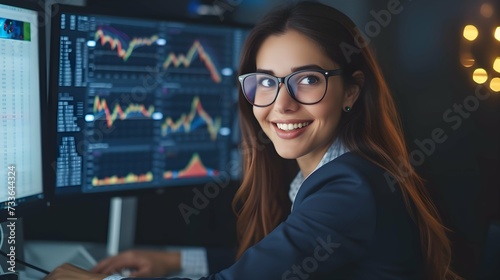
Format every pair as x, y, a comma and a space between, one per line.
284, 80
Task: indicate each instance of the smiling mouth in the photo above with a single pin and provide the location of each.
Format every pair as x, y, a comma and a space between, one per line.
292, 126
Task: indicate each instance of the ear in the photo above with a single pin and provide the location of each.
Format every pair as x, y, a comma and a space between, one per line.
352, 91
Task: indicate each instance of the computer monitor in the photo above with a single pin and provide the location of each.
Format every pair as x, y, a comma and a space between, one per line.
23, 103
140, 104
22, 109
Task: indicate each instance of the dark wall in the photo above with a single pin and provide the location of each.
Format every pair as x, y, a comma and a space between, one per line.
419, 50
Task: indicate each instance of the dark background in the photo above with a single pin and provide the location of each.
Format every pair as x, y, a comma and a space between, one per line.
419, 51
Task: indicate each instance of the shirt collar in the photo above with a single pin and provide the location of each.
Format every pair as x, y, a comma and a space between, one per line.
335, 150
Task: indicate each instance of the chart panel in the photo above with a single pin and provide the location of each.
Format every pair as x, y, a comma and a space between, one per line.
144, 103
122, 51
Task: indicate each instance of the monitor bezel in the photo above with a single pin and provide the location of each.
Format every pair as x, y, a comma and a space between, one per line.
75, 192
35, 202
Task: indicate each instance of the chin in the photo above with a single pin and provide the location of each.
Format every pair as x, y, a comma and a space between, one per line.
287, 153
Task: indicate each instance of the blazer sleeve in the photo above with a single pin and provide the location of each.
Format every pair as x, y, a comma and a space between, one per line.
331, 225
219, 258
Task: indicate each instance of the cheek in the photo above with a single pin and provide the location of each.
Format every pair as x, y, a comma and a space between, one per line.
259, 113
328, 112
333, 102
328, 117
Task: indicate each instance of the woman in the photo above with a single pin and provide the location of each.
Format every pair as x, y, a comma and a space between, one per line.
359, 210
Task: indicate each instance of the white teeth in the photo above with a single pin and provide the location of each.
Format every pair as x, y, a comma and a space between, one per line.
291, 126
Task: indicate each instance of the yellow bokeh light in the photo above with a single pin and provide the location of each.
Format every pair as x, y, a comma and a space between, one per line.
495, 84
496, 64
480, 76
497, 33
471, 33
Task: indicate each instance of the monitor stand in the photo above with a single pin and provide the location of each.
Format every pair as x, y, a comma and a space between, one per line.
121, 227
121, 233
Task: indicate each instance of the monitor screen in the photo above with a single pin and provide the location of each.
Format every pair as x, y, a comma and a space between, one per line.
140, 103
22, 99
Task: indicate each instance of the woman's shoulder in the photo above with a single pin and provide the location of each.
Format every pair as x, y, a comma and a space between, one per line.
352, 162
348, 164
354, 171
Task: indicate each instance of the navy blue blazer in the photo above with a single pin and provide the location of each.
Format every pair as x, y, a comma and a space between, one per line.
348, 222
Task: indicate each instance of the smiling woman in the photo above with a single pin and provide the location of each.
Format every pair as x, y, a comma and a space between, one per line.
356, 122
311, 102
336, 155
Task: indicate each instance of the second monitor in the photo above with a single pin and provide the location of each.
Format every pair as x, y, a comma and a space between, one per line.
140, 103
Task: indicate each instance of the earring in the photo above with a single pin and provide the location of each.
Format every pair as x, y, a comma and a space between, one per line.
347, 109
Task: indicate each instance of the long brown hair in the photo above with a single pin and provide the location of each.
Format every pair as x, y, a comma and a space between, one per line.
372, 129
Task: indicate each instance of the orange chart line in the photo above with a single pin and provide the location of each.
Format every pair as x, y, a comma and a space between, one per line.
116, 44
185, 121
118, 112
187, 59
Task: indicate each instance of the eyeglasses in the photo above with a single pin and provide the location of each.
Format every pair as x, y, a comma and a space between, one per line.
305, 86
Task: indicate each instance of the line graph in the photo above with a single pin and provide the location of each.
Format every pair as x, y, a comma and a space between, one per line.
128, 179
119, 51
196, 50
101, 110
195, 119
121, 42
125, 166
195, 168
156, 100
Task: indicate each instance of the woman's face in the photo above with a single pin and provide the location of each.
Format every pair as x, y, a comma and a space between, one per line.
313, 125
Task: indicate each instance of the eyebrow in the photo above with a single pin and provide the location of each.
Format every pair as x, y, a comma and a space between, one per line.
294, 69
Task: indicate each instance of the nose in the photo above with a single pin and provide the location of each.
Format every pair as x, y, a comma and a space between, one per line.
284, 102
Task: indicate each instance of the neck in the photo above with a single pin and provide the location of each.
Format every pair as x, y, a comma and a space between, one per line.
309, 162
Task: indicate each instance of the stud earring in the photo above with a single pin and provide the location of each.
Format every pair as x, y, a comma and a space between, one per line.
347, 109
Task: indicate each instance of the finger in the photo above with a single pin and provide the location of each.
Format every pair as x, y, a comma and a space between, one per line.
74, 268
99, 268
109, 266
141, 271
113, 264
61, 270
116, 264
70, 267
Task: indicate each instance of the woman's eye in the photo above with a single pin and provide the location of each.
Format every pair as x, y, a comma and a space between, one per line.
309, 80
266, 82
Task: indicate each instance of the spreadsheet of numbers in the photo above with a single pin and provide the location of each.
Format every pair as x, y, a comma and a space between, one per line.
20, 135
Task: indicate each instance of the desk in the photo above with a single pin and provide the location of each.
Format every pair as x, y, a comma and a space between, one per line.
50, 254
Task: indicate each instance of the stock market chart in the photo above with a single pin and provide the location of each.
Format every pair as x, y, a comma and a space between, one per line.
143, 103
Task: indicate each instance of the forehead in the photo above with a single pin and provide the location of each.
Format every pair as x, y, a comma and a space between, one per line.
282, 52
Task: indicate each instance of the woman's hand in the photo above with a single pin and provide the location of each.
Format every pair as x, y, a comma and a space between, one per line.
70, 272
141, 263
